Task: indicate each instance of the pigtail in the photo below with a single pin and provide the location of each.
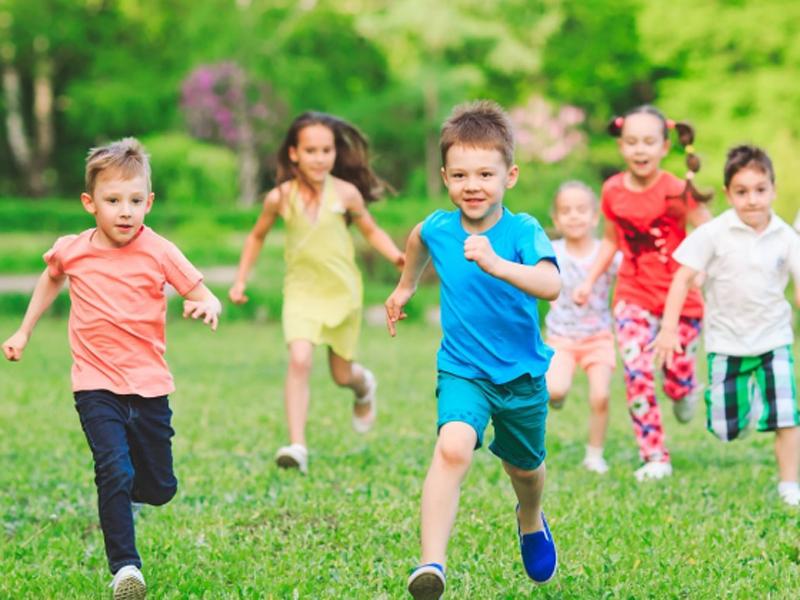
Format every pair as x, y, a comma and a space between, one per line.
686, 139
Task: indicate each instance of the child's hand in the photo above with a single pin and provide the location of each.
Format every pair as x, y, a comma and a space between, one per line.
394, 308
209, 309
665, 345
479, 249
13, 346
236, 293
580, 295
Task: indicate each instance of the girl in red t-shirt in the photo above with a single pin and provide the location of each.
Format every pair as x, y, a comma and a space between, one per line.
646, 211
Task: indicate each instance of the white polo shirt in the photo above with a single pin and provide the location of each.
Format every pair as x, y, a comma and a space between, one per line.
746, 276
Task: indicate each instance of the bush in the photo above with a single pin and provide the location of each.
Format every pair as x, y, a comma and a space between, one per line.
187, 172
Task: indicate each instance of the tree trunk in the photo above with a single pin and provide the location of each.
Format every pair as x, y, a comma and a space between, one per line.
249, 172
15, 123
43, 116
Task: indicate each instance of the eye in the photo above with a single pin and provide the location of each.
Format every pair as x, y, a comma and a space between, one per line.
111, 200
486, 174
136, 200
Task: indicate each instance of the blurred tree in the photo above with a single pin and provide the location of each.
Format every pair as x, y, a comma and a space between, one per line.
222, 104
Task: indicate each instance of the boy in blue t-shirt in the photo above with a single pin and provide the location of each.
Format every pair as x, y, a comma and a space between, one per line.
493, 265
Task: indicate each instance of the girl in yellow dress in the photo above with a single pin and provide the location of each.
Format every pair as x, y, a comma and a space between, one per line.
323, 183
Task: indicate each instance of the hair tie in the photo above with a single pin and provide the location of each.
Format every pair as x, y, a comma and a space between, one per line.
689, 149
670, 123
619, 122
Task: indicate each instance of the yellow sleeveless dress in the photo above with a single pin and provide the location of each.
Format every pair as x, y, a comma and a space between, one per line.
322, 290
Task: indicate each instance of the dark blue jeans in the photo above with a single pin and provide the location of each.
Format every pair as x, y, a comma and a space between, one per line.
130, 441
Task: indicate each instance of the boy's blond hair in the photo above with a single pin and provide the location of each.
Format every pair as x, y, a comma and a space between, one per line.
480, 124
127, 155
575, 184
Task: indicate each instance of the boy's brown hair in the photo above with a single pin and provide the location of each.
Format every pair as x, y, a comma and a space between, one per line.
128, 155
480, 124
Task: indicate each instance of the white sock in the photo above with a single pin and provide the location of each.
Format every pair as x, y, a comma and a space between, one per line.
788, 487
594, 452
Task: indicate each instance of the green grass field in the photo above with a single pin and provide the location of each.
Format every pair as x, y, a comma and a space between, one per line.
240, 528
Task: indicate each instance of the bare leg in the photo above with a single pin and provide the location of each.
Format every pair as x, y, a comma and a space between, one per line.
451, 460
528, 485
599, 382
559, 377
349, 374
787, 452
296, 391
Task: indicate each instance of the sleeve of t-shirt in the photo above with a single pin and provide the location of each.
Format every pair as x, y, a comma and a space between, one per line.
53, 257
605, 203
429, 222
533, 244
697, 249
615, 263
179, 272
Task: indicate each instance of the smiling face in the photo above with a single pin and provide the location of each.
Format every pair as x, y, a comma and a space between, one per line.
476, 180
119, 205
575, 213
643, 146
315, 153
751, 193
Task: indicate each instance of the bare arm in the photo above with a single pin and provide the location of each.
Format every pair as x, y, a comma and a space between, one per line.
666, 343
46, 290
609, 246
375, 236
201, 302
253, 244
417, 258
699, 215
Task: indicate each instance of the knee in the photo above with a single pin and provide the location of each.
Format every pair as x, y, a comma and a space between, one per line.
115, 474
599, 403
453, 453
163, 494
524, 475
300, 362
557, 395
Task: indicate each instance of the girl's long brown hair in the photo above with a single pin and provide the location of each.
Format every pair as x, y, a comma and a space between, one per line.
685, 138
352, 155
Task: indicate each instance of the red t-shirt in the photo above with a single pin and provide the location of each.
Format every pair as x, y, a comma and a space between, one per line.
650, 224
119, 309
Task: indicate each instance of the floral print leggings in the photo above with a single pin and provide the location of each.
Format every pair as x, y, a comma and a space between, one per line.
636, 328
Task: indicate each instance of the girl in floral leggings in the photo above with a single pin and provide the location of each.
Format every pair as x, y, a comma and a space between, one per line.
647, 211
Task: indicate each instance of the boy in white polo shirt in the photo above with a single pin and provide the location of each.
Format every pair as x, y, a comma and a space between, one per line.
747, 254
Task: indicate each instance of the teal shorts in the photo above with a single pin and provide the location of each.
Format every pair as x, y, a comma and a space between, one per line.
518, 410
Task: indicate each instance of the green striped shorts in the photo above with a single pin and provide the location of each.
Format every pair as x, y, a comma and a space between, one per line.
751, 391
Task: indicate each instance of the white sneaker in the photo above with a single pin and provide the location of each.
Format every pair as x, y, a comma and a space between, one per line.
595, 464
684, 408
365, 423
294, 456
653, 470
790, 496
128, 584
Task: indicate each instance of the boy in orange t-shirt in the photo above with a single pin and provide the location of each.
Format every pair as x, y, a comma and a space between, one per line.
117, 271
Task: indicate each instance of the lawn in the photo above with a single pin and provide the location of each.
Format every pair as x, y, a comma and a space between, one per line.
240, 528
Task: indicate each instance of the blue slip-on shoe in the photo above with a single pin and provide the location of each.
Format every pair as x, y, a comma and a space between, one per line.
538, 550
427, 582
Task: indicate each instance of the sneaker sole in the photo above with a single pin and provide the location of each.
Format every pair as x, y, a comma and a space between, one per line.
287, 462
426, 586
130, 588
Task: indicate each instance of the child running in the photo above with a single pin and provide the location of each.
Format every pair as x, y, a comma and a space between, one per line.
324, 181
646, 211
116, 272
493, 265
581, 335
747, 254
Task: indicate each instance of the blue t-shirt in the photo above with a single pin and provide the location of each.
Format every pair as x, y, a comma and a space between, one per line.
490, 328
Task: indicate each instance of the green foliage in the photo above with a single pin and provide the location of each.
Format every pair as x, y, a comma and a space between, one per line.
190, 173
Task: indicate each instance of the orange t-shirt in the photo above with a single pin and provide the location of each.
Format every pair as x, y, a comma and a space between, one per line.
650, 224
118, 309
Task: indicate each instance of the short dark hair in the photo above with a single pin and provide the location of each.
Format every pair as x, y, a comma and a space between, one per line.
481, 124
747, 156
